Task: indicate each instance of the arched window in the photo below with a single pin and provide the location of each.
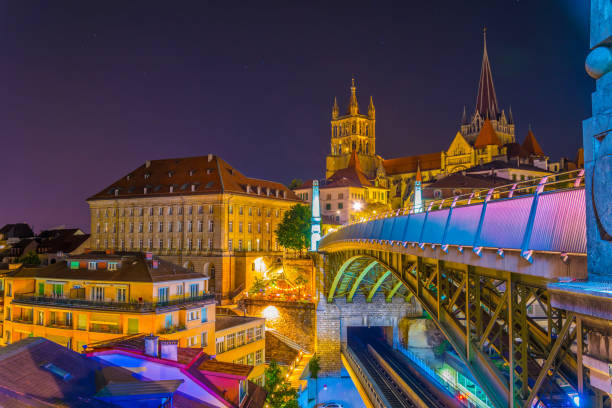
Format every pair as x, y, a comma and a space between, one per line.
367, 129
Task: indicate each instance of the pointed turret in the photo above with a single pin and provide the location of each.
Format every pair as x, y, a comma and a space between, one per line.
531, 145
353, 109
487, 136
418, 200
464, 119
335, 109
486, 101
510, 116
354, 161
371, 110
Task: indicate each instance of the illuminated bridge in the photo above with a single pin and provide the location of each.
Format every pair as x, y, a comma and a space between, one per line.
480, 265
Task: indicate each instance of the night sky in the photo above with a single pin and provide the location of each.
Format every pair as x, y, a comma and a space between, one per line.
90, 90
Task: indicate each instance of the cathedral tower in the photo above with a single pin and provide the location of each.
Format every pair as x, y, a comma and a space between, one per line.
353, 131
487, 107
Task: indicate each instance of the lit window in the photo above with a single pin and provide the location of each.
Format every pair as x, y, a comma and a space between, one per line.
211, 226
210, 244
92, 265
210, 209
112, 266
230, 226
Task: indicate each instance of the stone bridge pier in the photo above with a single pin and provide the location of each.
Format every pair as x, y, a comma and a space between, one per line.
334, 319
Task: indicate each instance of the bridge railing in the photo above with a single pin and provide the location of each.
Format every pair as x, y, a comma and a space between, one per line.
559, 181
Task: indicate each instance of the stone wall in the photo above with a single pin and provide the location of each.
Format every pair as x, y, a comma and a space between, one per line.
334, 319
296, 320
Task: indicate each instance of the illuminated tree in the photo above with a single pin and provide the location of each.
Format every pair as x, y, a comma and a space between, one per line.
31, 258
299, 282
280, 393
294, 230
295, 183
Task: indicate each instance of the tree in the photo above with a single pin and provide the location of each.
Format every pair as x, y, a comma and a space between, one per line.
295, 183
280, 393
31, 258
258, 286
300, 281
294, 230
314, 368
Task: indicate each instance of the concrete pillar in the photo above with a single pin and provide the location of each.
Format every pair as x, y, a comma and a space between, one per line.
395, 332
328, 338
598, 145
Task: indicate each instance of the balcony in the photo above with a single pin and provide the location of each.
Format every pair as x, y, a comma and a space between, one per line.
105, 328
173, 329
133, 306
23, 319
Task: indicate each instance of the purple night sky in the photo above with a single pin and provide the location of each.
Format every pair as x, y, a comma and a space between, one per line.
90, 90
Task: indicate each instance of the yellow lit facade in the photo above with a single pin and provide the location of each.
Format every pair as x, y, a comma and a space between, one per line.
84, 301
241, 340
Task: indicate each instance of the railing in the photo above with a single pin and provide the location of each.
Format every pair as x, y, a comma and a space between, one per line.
173, 329
560, 181
134, 306
291, 343
25, 320
60, 325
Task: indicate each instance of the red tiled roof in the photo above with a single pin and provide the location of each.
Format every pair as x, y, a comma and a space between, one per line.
408, 164
487, 136
531, 145
190, 176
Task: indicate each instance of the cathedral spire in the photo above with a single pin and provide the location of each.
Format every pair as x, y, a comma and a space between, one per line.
335, 109
464, 119
486, 101
353, 105
418, 200
371, 110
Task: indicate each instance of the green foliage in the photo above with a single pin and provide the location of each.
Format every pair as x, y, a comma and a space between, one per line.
31, 258
280, 393
295, 183
294, 230
258, 286
314, 367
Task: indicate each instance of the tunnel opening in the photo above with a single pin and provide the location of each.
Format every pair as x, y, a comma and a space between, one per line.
361, 335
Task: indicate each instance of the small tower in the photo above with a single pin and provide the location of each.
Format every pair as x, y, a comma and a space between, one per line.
371, 110
353, 109
315, 220
418, 200
335, 109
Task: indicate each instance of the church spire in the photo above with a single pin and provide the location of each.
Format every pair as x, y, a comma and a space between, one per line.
486, 101
335, 109
417, 206
371, 110
353, 105
464, 119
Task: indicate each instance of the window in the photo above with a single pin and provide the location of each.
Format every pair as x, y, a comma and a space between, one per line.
203, 315
240, 210
140, 211
132, 326
179, 226
259, 228
230, 226
150, 243
194, 288
160, 227
249, 359
190, 210
170, 227
193, 315
161, 243
268, 227
340, 206
192, 341
168, 321
276, 213
200, 226
240, 338
97, 293
231, 341
121, 295
258, 357
249, 228
340, 196
179, 290
204, 341
162, 294
41, 289
189, 244
131, 227
250, 210
240, 226
169, 210
112, 266
328, 206
69, 319
41, 318
249, 248
220, 346
92, 265
268, 212
199, 244
211, 226
210, 209
240, 245
140, 227
229, 244
258, 332
180, 211
169, 243
328, 197
259, 212
230, 209
189, 226
250, 335
140, 244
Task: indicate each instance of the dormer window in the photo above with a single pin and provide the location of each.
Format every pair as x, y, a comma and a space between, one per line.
128, 177
92, 265
208, 171
172, 189
170, 173
191, 172
112, 266
147, 175
193, 187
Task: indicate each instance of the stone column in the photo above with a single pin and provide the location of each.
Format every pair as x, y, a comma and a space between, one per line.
328, 337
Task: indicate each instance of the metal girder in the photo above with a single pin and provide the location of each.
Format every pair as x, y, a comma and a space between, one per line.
551, 357
379, 282
498, 309
338, 276
358, 280
391, 293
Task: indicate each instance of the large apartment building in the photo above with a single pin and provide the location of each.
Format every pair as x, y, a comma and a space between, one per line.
97, 297
198, 212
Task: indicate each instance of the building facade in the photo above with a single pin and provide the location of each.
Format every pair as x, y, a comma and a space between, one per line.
97, 297
198, 212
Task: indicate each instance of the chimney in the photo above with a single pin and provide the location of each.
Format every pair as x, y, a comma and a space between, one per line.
151, 348
169, 349
148, 164
210, 157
